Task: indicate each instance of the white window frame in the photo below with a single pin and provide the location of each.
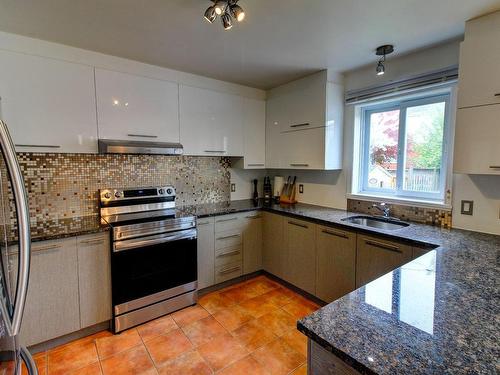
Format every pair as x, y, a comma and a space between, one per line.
402, 104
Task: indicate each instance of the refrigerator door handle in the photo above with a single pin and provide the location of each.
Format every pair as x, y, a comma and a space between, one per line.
29, 361
23, 219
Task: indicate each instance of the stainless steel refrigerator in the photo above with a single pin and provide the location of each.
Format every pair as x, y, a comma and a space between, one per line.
14, 243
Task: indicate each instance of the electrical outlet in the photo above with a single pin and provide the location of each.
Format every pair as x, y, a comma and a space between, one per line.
233, 188
467, 207
301, 189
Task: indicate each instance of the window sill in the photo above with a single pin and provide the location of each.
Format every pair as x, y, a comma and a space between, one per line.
401, 201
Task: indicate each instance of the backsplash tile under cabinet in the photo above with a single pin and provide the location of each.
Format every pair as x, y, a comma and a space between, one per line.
431, 216
63, 186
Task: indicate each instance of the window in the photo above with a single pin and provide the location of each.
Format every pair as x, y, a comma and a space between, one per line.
403, 149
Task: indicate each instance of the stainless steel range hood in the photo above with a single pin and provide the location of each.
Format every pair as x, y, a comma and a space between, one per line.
111, 146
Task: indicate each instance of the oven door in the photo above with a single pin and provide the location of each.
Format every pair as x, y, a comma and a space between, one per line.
150, 269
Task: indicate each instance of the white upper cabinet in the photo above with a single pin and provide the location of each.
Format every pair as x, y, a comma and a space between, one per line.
136, 108
480, 62
477, 136
211, 122
304, 125
49, 105
254, 135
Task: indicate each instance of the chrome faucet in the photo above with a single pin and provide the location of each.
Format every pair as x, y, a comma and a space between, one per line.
386, 211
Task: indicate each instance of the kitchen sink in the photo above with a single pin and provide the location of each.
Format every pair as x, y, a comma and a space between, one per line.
376, 222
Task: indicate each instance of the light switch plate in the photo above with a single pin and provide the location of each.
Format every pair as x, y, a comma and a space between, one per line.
467, 207
301, 189
233, 188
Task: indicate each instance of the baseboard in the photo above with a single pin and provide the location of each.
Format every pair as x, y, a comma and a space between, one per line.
225, 284
50, 344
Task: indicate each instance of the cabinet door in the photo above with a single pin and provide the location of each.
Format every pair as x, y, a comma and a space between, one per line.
477, 136
94, 276
254, 131
306, 103
274, 252
49, 105
211, 122
206, 252
300, 243
52, 306
479, 82
275, 115
335, 263
305, 149
252, 242
376, 257
136, 108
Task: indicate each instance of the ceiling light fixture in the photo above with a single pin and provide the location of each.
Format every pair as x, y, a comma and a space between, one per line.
227, 10
383, 51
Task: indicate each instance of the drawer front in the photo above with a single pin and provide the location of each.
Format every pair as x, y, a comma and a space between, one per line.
228, 239
228, 272
228, 256
228, 222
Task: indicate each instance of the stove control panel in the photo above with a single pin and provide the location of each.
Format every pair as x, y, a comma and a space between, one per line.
149, 193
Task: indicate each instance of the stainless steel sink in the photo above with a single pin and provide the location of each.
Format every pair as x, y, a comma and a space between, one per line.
376, 222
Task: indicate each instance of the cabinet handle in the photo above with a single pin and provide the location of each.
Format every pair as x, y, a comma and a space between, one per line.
216, 151
494, 166
298, 165
332, 233
203, 223
229, 253
229, 270
224, 220
226, 237
39, 146
253, 217
142, 135
497, 94
298, 225
300, 125
45, 248
384, 246
255, 164
92, 242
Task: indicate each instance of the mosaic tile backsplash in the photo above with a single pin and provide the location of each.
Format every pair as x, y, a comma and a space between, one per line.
64, 186
429, 216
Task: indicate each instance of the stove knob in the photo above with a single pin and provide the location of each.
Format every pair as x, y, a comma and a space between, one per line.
107, 195
169, 191
161, 191
118, 194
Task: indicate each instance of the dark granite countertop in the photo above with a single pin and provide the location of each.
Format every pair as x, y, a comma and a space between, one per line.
436, 314
66, 227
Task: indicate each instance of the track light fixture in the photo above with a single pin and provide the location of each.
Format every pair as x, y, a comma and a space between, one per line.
227, 10
383, 51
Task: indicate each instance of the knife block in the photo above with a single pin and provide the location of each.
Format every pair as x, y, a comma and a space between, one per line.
289, 199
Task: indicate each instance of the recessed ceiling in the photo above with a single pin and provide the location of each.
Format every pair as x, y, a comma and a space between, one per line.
280, 40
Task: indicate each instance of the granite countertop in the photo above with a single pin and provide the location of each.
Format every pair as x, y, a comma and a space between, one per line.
66, 227
437, 314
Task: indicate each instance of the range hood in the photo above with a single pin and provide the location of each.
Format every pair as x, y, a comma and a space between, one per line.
112, 146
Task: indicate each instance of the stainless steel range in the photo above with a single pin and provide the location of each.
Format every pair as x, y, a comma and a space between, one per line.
153, 254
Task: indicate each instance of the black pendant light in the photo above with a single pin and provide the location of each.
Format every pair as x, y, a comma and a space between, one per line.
227, 10
383, 51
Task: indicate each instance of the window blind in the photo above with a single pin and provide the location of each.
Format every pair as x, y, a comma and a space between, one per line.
428, 80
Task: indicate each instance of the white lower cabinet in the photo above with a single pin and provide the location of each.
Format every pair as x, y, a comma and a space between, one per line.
52, 305
206, 255
94, 279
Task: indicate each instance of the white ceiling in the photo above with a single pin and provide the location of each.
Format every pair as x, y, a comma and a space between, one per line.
280, 40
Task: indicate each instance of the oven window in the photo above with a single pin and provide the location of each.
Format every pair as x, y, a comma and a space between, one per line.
140, 272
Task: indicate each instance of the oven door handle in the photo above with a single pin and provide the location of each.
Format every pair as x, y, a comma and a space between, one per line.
153, 240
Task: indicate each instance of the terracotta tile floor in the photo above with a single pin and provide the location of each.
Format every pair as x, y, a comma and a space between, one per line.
248, 328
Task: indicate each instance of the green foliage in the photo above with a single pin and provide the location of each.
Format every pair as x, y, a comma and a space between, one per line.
428, 153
